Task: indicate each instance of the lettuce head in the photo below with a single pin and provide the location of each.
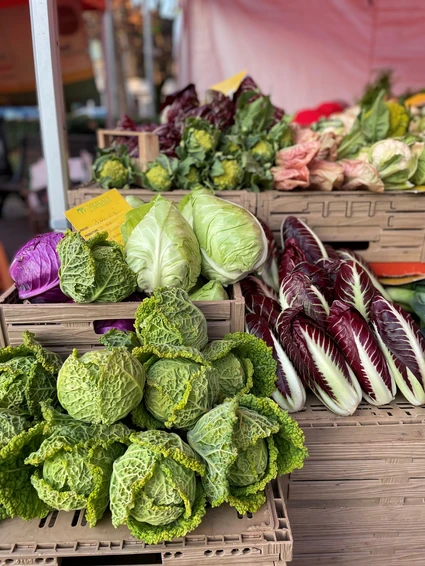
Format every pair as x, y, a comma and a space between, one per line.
232, 241
102, 386
160, 246
154, 487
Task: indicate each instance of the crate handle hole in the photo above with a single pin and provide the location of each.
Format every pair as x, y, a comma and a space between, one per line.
53, 518
246, 551
235, 551
75, 518
219, 552
208, 553
178, 554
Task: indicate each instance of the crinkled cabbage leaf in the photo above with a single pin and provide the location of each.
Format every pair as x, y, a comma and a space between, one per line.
154, 489
101, 386
169, 317
94, 270
115, 338
180, 387
75, 463
245, 443
211, 291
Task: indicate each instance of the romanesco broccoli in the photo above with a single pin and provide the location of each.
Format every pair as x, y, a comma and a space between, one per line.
116, 172
204, 139
263, 151
159, 179
230, 178
399, 120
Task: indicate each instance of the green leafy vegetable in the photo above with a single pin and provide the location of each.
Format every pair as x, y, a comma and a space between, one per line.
27, 376
226, 173
190, 172
232, 241
115, 338
199, 140
243, 363
169, 317
94, 270
102, 386
76, 461
211, 291
180, 387
161, 248
18, 498
245, 443
154, 489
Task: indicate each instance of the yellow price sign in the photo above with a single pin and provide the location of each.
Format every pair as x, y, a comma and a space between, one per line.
230, 85
105, 213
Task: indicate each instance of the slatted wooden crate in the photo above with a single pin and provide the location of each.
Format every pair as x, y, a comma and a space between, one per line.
384, 227
61, 327
224, 537
362, 490
78, 196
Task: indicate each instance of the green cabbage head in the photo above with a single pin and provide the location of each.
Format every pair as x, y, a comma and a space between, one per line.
246, 442
102, 386
75, 463
27, 376
180, 387
211, 291
94, 270
154, 489
232, 241
18, 438
169, 317
160, 246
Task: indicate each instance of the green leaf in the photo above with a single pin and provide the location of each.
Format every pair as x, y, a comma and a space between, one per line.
375, 121
115, 338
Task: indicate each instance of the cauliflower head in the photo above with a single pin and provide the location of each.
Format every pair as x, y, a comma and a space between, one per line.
231, 176
158, 177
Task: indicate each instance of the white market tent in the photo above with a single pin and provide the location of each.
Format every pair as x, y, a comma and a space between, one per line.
301, 52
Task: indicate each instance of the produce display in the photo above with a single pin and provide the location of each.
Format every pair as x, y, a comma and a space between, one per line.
201, 246
157, 424
332, 327
244, 142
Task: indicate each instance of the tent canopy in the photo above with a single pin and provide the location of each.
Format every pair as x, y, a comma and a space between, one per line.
85, 4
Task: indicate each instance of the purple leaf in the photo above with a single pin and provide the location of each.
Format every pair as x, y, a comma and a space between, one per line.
400, 334
320, 362
103, 326
263, 307
53, 295
349, 255
318, 277
297, 291
290, 392
361, 349
252, 285
354, 287
36, 265
305, 238
291, 257
270, 269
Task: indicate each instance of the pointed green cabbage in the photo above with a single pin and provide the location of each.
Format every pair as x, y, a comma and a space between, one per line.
160, 246
154, 489
211, 291
101, 386
232, 241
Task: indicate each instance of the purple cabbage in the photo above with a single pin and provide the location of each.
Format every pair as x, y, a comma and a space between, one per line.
53, 295
103, 326
36, 265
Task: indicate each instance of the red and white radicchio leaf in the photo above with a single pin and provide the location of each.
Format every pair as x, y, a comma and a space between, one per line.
349, 255
290, 392
354, 287
264, 307
305, 238
319, 277
252, 285
408, 384
321, 362
297, 290
401, 335
270, 271
291, 257
361, 349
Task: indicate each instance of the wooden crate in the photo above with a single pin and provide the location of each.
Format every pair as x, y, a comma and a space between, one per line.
363, 487
148, 143
382, 227
223, 537
61, 327
243, 197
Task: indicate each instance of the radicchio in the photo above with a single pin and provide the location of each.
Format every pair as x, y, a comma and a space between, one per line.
270, 269
402, 337
290, 392
252, 285
297, 291
292, 256
305, 238
263, 307
349, 255
361, 349
354, 287
320, 362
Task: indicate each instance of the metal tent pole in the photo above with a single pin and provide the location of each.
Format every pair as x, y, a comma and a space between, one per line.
111, 77
45, 39
148, 54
